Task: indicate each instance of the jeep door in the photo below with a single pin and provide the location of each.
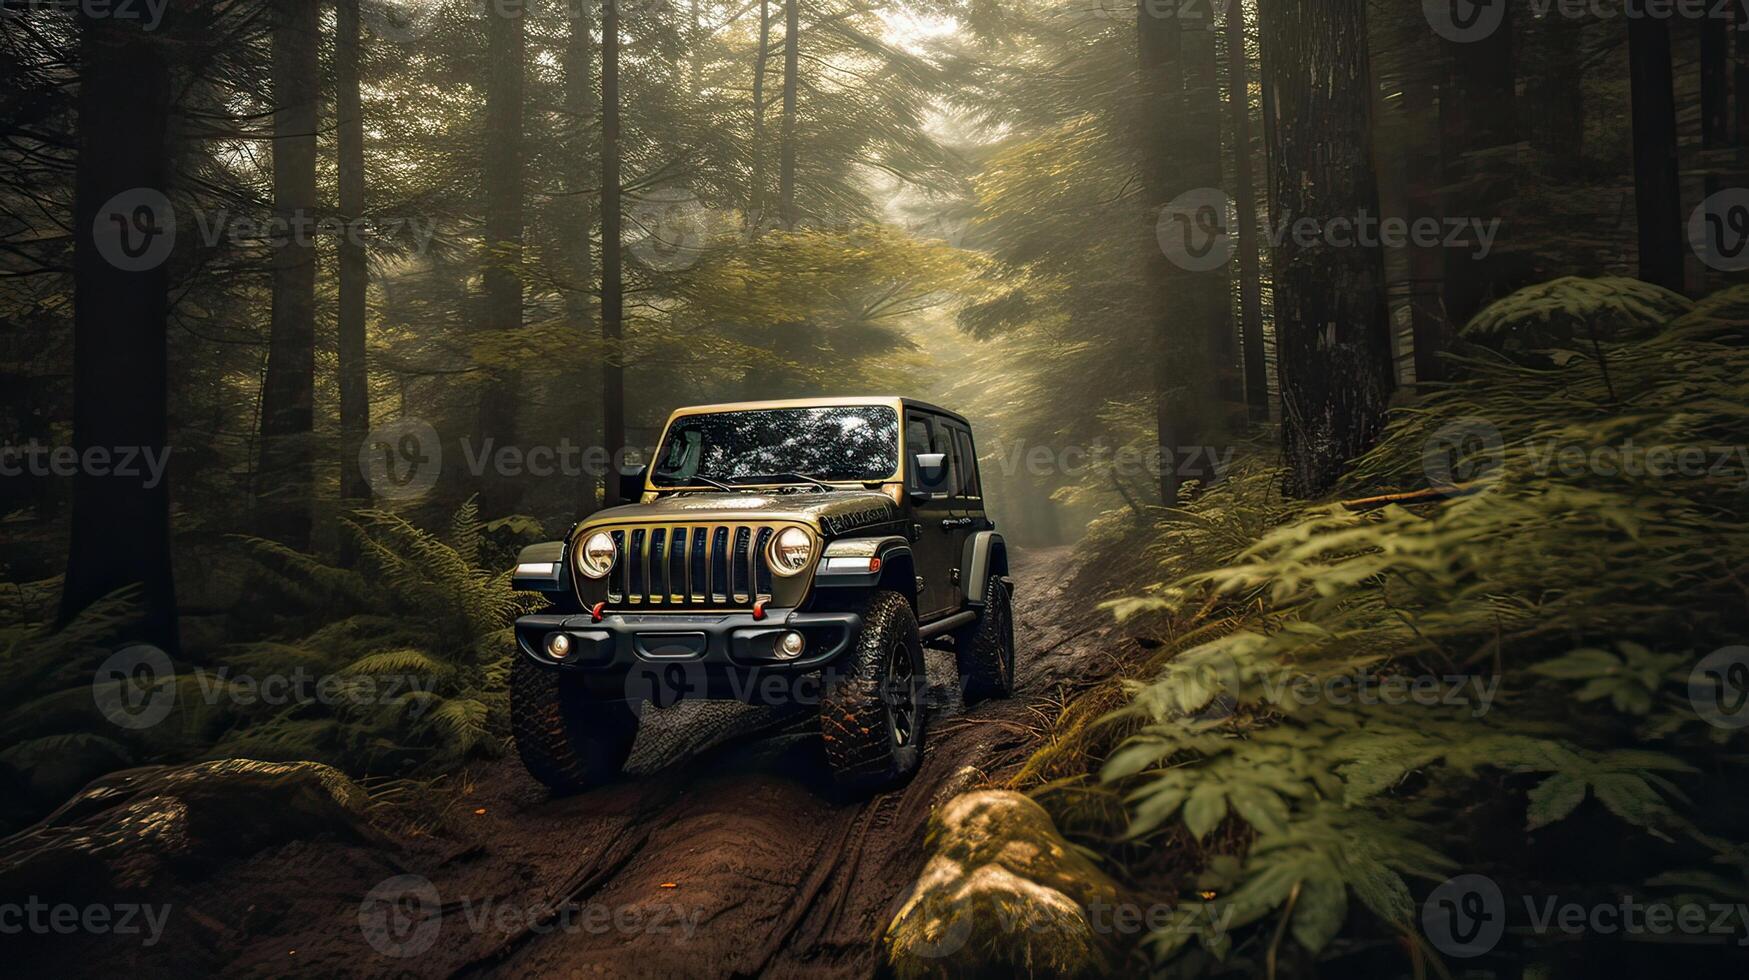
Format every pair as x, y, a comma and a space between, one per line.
967, 502
933, 547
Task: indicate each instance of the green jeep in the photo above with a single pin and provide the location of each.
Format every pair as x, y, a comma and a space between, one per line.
778, 552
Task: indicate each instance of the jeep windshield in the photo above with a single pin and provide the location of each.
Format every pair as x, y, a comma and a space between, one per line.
835, 444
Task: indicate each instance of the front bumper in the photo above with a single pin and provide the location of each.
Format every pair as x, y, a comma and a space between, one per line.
667, 657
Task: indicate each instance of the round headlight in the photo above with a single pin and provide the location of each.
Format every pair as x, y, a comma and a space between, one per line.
595, 558
791, 551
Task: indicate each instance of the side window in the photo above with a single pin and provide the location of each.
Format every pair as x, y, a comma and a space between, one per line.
966, 464
917, 436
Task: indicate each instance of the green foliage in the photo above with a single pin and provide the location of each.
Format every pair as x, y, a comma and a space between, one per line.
395, 666
1342, 680
1573, 310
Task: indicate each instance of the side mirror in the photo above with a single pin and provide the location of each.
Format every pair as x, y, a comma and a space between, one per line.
928, 475
631, 483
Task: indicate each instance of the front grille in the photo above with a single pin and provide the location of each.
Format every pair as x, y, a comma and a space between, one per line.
690, 566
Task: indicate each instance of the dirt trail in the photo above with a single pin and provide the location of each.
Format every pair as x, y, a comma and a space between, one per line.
732, 859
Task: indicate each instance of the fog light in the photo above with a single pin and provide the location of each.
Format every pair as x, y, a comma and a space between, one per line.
790, 646
558, 646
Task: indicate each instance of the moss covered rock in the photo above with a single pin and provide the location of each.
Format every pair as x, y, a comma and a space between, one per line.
1572, 310
1003, 894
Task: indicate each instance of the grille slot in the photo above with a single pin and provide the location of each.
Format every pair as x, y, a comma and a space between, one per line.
691, 566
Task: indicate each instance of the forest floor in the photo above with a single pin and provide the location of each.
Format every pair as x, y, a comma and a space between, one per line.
725, 853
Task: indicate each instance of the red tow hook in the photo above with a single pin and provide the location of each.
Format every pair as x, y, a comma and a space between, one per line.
759, 610
595, 611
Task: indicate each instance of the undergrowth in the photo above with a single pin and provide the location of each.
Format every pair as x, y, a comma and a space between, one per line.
1524, 663
391, 667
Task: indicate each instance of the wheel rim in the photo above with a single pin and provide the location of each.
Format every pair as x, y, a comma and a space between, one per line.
901, 710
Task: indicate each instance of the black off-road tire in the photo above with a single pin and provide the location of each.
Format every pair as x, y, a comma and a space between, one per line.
985, 649
876, 693
567, 740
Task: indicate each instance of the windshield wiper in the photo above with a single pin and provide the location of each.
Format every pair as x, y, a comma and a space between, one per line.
705, 479
788, 478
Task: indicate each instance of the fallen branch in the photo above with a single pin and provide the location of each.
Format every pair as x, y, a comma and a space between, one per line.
1430, 495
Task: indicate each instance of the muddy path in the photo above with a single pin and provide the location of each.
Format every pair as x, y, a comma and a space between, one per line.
726, 853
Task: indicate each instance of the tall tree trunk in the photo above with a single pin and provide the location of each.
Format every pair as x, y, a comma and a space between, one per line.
284, 481
1740, 84
786, 172
1715, 102
1657, 186
1161, 74
1478, 127
756, 190
501, 306
1554, 94
1245, 213
1188, 288
1223, 393
354, 273
612, 289
580, 256
1333, 335
120, 530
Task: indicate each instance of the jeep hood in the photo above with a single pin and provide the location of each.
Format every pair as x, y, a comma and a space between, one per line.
832, 512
